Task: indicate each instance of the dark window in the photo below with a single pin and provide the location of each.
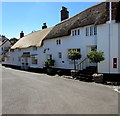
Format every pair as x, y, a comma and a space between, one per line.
91, 31
95, 30
72, 33
87, 31
78, 31
114, 62
34, 48
34, 60
59, 54
75, 32
59, 41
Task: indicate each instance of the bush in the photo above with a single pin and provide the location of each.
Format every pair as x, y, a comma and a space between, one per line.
49, 62
95, 56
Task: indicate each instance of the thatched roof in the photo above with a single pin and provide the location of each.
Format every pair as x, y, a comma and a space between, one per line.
33, 39
95, 15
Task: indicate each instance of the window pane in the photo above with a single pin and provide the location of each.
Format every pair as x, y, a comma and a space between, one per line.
72, 33
78, 31
87, 31
91, 31
75, 32
95, 30
59, 54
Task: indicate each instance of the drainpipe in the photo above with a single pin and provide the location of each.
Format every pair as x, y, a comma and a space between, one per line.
110, 20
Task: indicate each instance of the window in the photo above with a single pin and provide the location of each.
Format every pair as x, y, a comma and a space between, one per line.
93, 48
91, 31
34, 60
87, 31
19, 49
49, 56
78, 31
72, 33
34, 48
75, 32
60, 54
19, 59
95, 30
77, 49
58, 41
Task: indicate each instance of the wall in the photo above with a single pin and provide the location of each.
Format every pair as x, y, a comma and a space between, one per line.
108, 43
68, 42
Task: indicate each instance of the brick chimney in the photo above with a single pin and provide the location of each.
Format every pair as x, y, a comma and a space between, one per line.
21, 34
64, 13
44, 26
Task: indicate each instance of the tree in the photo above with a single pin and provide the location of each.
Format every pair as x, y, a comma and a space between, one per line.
74, 55
13, 41
96, 56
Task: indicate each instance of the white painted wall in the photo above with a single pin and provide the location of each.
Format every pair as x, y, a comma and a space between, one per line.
104, 40
68, 42
80, 41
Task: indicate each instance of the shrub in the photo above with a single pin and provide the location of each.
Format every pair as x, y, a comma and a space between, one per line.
95, 56
49, 62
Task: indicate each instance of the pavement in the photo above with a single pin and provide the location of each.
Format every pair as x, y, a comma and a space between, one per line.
33, 93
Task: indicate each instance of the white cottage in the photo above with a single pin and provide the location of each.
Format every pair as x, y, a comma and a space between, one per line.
4, 47
97, 27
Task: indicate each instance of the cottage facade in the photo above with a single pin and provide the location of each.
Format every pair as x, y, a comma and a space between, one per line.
84, 32
4, 46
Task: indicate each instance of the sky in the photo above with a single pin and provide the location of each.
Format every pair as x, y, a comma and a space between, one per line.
30, 16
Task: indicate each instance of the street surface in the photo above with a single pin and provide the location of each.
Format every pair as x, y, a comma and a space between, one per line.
33, 93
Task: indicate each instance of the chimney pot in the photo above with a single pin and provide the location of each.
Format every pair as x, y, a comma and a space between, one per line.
21, 34
44, 26
64, 13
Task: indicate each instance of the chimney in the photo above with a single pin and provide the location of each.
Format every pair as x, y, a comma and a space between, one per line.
64, 13
44, 26
21, 34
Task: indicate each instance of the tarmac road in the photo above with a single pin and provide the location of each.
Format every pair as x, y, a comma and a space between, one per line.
33, 93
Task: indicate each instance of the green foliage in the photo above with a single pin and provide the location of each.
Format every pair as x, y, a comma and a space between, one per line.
49, 62
13, 41
95, 56
74, 55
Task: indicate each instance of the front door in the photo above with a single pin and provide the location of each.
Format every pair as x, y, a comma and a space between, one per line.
25, 63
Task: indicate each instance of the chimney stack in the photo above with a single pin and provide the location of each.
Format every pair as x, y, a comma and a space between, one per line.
64, 13
21, 34
44, 26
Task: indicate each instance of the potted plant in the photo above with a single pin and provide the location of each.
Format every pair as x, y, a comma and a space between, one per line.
74, 55
96, 57
48, 64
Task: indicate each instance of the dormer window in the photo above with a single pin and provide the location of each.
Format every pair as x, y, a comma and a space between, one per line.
58, 42
76, 32
90, 31
34, 48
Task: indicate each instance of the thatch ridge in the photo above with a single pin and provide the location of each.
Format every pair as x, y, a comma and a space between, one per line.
95, 15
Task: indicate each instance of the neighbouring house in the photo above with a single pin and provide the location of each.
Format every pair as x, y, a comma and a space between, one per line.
4, 47
13, 41
97, 27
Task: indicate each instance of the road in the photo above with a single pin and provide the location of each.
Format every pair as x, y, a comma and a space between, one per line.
34, 93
